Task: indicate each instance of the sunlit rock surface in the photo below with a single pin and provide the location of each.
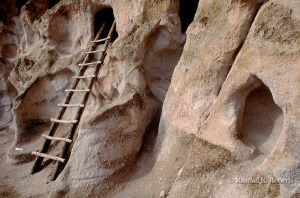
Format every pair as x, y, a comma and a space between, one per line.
194, 99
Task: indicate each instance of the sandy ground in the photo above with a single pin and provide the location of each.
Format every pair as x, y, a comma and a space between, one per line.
206, 167
16, 180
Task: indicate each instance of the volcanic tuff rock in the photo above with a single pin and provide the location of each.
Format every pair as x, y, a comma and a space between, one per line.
250, 110
210, 112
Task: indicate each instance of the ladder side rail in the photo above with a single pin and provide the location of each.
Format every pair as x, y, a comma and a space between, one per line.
94, 44
53, 128
59, 165
54, 125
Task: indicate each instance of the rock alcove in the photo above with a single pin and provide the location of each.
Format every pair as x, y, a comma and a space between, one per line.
189, 92
262, 122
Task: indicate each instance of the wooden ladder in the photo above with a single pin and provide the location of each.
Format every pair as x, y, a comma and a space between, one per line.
61, 160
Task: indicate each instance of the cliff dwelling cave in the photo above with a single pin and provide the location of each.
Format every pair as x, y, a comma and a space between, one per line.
262, 122
106, 16
174, 99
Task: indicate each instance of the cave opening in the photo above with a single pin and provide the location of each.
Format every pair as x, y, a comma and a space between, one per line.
20, 3
187, 13
106, 16
262, 122
52, 3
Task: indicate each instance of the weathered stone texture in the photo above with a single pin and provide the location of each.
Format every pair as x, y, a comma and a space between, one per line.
226, 89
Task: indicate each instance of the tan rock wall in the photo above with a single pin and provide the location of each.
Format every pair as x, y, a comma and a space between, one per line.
122, 104
9, 38
229, 107
259, 90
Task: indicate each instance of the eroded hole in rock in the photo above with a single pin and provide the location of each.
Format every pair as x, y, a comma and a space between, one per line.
106, 16
164, 50
40, 103
187, 12
262, 122
28, 63
9, 50
52, 3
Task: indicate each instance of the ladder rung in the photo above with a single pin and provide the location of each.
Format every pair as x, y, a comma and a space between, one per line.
89, 64
80, 77
70, 105
78, 90
48, 156
57, 138
64, 121
97, 41
91, 52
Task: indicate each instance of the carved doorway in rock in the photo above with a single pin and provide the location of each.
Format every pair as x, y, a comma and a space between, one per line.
187, 12
105, 15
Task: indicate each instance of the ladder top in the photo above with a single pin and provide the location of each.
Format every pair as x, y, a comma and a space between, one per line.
97, 41
91, 52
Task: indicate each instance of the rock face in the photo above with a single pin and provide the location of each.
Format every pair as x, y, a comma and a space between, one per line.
8, 45
256, 77
250, 110
210, 112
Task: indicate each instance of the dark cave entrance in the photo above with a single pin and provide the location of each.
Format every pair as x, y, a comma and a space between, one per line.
106, 16
187, 12
52, 3
20, 3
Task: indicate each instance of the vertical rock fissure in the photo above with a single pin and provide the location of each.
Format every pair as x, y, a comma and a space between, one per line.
183, 165
234, 57
237, 51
